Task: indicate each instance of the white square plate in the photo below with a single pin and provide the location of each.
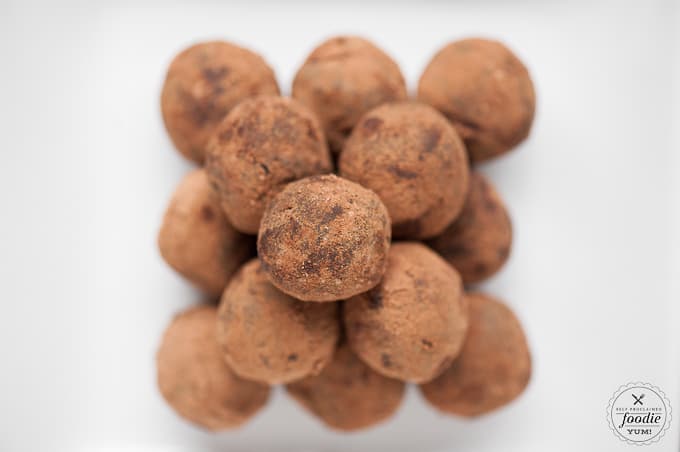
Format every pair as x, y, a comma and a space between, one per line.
88, 170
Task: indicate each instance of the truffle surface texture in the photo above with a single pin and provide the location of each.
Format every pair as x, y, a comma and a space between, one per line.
478, 243
263, 144
342, 79
324, 238
348, 395
270, 337
203, 83
195, 238
493, 368
485, 91
412, 325
411, 156
194, 379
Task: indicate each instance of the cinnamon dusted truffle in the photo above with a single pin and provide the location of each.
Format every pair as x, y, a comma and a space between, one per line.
493, 368
414, 160
203, 83
263, 144
342, 79
194, 379
478, 243
348, 395
269, 336
412, 325
485, 91
324, 238
197, 241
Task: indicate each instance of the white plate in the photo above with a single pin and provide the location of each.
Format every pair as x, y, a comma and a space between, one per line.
88, 170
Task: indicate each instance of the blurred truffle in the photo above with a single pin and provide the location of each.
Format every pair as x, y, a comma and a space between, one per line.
478, 243
412, 325
203, 83
195, 238
263, 144
343, 78
493, 368
194, 379
348, 395
485, 91
324, 238
414, 160
270, 337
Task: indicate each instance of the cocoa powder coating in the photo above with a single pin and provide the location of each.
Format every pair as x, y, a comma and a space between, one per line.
324, 238
195, 238
313, 294
203, 83
270, 337
194, 379
485, 91
412, 325
342, 79
493, 368
263, 144
414, 160
348, 395
478, 243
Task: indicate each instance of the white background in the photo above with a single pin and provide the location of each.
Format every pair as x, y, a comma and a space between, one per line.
87, 169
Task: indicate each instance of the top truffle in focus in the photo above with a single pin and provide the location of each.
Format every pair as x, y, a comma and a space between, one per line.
324, 238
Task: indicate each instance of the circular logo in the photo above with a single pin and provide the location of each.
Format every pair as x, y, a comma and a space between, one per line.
639, 413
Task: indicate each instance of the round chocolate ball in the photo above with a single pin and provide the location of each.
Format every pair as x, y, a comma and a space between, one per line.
270, 337
263, 144
485, 91
194, 379
493, 368
348, 395
203, 83
195, 238
342, 79
324, 238
478, 243
412, 325
414, 160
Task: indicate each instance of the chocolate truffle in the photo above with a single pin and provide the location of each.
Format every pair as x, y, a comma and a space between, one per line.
485, 91
203, 83
263, 144
412, 325
195, 238
478, 243
414, 160
324, 238
270, 337
348, 395
493, 368
194, 379
342, 79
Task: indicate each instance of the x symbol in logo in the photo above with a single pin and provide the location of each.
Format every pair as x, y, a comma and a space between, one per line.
638, 400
